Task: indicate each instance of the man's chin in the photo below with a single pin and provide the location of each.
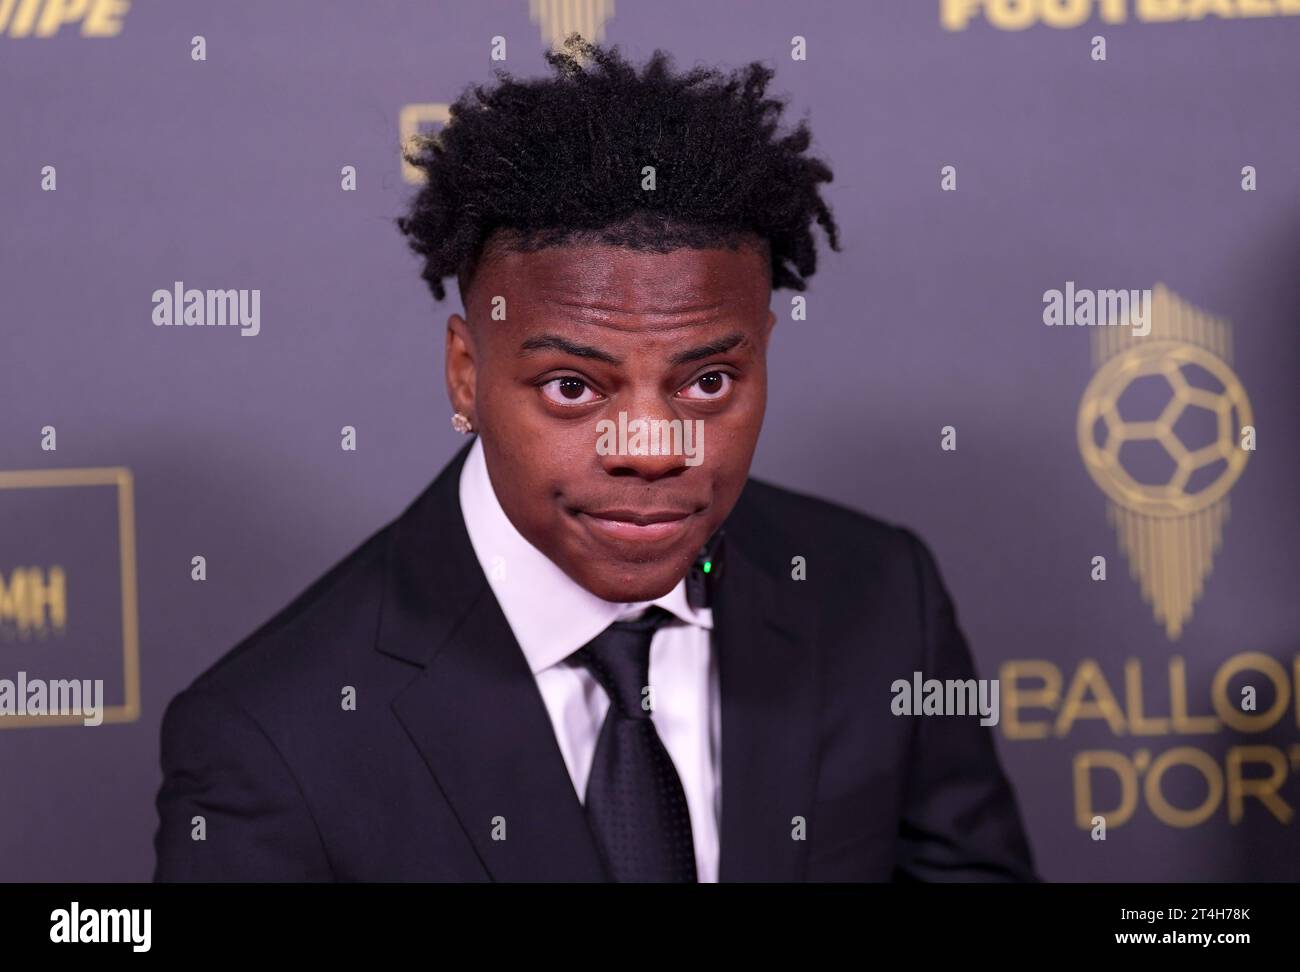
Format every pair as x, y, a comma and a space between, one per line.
621, 584
624, 570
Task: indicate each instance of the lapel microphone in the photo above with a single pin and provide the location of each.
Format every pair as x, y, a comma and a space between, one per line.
702, 578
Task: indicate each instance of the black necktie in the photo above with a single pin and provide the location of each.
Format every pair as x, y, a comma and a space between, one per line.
635, 801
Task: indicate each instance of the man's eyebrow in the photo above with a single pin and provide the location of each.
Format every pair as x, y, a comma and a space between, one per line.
720, 346
553, 342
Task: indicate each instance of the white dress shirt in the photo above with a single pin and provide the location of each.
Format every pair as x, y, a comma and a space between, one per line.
552, 616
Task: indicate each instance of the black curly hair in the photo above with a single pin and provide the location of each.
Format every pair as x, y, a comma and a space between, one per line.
529, 164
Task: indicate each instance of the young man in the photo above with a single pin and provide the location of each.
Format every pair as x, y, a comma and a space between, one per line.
593, 649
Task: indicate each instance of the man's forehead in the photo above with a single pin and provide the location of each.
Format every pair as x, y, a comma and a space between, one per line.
599, 280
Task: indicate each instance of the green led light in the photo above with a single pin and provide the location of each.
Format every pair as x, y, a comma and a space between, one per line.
708, 566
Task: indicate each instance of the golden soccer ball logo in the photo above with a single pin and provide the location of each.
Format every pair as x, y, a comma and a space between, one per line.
1175, 409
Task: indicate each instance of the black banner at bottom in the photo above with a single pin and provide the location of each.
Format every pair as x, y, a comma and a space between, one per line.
202, 922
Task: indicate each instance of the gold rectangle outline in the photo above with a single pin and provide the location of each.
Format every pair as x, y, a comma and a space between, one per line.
119, 476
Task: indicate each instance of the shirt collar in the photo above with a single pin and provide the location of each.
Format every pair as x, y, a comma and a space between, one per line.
551, 615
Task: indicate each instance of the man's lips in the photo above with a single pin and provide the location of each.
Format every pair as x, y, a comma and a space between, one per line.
637, 524
640, 517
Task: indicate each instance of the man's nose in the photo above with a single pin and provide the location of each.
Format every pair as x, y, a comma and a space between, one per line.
642, 439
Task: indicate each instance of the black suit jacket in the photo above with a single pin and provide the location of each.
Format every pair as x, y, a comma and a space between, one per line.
450, 736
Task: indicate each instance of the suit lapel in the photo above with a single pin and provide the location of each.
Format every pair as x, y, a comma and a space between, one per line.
475, 713
768, 680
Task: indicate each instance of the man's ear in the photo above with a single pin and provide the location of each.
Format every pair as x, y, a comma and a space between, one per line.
461, 369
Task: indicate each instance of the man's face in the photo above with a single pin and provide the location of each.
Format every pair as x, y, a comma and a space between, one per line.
589, 332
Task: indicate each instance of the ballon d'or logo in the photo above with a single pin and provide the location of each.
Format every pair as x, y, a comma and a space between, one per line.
559, 18
1160, 428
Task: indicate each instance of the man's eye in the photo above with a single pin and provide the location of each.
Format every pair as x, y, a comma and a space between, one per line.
569, 391
715, 384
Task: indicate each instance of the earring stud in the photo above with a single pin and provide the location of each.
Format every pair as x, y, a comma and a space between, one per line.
461, 424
